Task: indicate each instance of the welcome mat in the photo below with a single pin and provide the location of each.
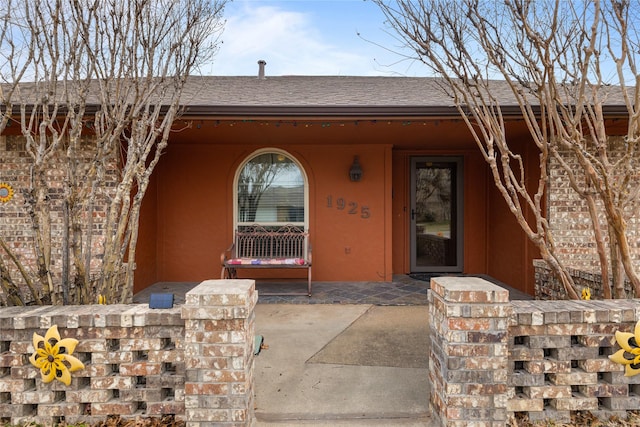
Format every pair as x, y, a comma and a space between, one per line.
425, 277
383, 336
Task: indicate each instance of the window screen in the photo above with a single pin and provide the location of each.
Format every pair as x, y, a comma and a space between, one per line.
270, 191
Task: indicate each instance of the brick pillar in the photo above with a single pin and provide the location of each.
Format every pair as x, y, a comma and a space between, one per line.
468, 319
218, 348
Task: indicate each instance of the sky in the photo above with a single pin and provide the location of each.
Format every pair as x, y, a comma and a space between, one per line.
309, 37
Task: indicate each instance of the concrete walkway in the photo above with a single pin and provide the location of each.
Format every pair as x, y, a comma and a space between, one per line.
353, 354
296, 384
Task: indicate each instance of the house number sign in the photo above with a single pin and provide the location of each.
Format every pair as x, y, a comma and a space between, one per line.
352, 208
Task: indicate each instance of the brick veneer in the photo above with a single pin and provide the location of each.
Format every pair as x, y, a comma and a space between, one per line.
194, 361
16, 226
569, 215
493, 359
469, 351
549, 287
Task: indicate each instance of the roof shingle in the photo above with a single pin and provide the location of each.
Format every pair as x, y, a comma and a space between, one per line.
323, 96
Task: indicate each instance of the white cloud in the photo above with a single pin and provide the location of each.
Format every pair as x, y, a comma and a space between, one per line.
290, 43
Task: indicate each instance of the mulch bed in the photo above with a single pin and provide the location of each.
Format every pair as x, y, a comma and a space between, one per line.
117, 421
167, 420
583, 419
578, 419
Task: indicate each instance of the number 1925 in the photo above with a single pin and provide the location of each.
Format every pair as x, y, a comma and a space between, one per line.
352, 208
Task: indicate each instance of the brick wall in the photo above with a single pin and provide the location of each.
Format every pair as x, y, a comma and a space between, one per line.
570, 222
15, 223
194, 361
493, 360
548, 287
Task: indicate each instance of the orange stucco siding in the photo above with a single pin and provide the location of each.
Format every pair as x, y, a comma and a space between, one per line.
510, 252
351, 242
195, 209
146, 255
365, 241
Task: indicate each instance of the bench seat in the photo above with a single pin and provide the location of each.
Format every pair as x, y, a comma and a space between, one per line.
260, 247
283, 262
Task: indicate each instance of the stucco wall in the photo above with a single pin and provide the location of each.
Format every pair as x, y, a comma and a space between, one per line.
195, 212
350, 240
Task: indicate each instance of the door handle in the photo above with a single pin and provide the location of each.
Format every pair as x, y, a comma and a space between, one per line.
413, 214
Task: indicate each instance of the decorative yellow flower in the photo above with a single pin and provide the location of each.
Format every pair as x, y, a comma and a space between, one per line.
586, 294
53, 356
6, 192
629, 354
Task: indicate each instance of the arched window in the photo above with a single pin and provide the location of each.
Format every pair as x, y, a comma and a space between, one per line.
271, 190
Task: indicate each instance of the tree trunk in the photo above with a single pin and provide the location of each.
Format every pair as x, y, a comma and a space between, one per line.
9, 289
600, 246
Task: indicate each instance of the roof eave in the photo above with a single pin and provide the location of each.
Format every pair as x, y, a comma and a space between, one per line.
353, 111
308, 111
339, 111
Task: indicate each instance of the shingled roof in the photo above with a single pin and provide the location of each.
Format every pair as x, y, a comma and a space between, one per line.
322, 96
316, 95
327, 96
314, 90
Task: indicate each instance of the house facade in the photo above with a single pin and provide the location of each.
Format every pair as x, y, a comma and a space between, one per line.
424, 202
381, 171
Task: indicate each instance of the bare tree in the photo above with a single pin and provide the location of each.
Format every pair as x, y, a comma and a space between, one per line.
96, 99
16, 54
564, 63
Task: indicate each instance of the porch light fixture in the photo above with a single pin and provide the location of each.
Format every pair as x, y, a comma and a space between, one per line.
355, 173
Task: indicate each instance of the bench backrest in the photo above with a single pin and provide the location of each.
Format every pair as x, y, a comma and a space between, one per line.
257, 241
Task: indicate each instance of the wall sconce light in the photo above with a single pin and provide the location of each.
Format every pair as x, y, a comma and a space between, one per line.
355, 173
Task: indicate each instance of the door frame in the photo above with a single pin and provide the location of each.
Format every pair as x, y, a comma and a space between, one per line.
459, 207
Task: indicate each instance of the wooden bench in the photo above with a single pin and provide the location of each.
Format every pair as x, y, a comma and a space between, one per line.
260, 247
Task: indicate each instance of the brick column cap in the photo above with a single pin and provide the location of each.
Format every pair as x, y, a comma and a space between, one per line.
233, 292
457, 289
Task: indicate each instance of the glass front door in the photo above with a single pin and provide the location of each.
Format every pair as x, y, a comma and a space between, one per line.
436, 214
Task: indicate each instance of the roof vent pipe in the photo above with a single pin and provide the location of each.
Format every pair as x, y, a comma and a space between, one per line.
261, 64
